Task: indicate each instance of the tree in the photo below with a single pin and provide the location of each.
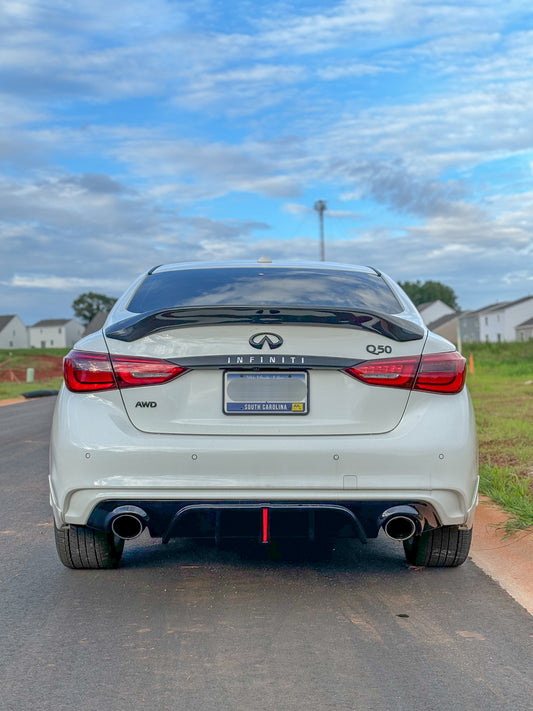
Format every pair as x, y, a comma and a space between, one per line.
421, 293
87, 305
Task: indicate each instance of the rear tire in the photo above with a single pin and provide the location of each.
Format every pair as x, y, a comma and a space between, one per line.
445, 547
80, 547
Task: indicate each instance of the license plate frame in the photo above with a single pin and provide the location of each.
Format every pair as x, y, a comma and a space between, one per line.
257, 383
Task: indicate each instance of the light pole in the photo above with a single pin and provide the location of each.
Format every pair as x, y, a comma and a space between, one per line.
320, 206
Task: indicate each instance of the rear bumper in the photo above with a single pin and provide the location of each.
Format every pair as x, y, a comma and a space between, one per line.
97, 456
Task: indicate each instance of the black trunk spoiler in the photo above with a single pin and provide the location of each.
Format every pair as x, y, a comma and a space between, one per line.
141, 325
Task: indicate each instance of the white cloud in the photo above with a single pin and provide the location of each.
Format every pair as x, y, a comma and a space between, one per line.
62, 283
522, 278
341, 71
219, 167
293, 208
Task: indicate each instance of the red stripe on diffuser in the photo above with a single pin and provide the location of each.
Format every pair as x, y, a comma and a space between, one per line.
265, 526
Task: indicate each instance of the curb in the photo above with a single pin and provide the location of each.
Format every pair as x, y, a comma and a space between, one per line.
508, 561
12, 401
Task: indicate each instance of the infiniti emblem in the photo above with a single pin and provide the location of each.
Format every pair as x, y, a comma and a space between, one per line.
258, 340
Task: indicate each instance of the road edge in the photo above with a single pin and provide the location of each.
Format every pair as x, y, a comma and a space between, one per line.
12, 401
508, 561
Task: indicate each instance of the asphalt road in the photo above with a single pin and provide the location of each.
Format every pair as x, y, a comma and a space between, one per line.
190, 627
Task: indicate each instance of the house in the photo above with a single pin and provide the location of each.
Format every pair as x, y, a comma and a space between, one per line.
524, 331
500, 322
433, 310
446, 326
55, 333
496, 322
13, 333
96, 323
469, 322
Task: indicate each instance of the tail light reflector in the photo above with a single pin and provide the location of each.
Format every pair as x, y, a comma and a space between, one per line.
434, 372
86, 372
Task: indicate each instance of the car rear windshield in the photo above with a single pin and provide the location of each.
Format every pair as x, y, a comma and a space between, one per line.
274, 286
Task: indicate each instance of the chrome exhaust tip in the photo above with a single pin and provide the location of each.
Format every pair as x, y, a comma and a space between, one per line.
127, 526
127, 522
400, 528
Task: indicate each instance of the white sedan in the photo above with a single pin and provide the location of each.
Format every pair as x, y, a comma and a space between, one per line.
263, 401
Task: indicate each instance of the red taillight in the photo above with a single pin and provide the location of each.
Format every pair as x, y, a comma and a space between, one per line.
130, 372
435, 372
84, 371
88, 371
394, 372
441, 373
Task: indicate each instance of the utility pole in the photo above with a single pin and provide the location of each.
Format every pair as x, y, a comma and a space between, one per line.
320, 206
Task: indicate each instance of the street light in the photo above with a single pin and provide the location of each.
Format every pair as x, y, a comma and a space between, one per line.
320, 206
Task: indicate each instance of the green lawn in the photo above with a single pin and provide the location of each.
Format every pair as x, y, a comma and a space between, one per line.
13, 390
20, 357
502, 393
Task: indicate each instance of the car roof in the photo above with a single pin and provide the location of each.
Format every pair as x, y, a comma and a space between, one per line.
333, 266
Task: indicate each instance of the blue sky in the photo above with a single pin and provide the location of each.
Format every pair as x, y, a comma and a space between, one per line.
136, 133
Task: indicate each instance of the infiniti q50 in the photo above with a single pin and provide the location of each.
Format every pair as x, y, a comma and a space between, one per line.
263, 401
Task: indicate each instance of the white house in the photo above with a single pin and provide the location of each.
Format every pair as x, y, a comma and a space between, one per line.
55, 333
524, 331
499, 322
434, 310
469, 322
13, 333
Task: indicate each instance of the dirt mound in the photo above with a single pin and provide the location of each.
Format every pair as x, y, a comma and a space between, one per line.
45, 366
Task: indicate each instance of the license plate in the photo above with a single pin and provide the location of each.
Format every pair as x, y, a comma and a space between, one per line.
266, 393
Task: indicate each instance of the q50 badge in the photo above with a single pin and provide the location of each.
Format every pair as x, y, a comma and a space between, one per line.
378, 350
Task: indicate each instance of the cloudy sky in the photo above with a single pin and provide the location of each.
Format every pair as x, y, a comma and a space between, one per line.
134, 133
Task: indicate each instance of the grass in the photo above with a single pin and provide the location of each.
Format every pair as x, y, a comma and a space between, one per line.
22, 357
502, 393
512, 492
13, 390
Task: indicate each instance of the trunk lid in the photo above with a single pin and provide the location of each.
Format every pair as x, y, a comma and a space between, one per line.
301, 363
